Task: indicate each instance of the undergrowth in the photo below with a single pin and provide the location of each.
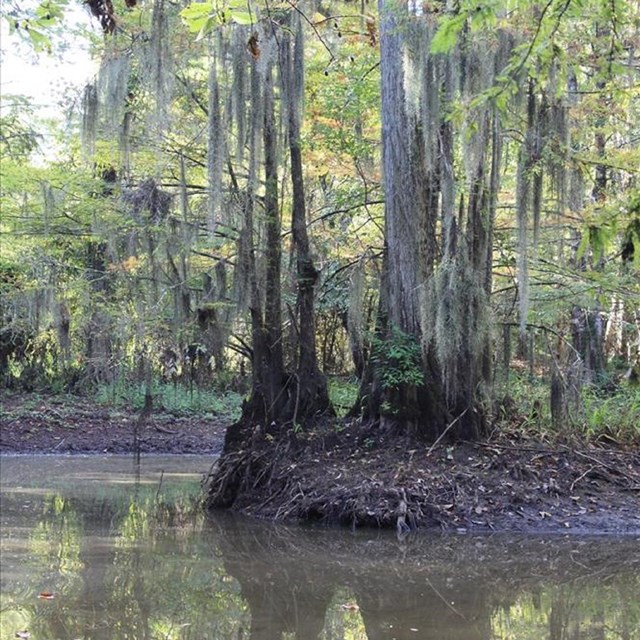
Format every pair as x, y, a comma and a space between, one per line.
177, 399
594, 414
343, 393
615, 416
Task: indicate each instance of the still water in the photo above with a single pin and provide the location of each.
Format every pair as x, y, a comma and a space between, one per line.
94, 549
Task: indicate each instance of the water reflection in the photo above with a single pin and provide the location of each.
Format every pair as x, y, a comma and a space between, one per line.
448, 588
137, 561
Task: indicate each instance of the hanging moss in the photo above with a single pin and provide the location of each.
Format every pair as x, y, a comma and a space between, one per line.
245, 276
355, 315
522, 207
559, 139
239, 41
125, 151
528, 198
48, 206
215, 151
89, 120
157, 67
113, 87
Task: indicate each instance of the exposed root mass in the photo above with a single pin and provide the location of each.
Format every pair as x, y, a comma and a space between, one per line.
359, 477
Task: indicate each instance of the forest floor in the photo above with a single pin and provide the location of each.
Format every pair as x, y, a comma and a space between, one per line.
34, 423
353, 475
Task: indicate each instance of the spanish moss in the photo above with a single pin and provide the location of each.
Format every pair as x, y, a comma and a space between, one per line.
239, 88
215, 151
113, 83
522, 200
157, 67
89, 120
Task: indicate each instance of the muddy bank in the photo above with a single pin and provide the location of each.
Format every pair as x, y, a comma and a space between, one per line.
351, 474
41, 424
359, 477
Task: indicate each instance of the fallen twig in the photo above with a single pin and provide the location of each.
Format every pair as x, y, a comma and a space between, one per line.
171, 432
586, 473
444, 433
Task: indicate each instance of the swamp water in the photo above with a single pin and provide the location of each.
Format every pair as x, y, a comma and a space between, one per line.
93, 549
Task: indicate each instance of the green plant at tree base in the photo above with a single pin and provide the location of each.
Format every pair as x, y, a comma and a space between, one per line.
343, 393
397, 359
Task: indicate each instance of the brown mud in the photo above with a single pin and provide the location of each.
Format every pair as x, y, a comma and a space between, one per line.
355, 475
72, 424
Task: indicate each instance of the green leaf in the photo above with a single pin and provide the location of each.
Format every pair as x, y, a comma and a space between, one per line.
39, 40
584, 245
196, 15
203, 17
48, 12
208, 25
241, 17
447, 35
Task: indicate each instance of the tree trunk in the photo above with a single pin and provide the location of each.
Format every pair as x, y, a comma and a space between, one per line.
414, 407
270, 396
311, 386
99, 330
279, 398
436, 292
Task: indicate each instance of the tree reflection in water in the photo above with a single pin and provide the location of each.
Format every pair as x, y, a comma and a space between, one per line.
446, 588
142, 565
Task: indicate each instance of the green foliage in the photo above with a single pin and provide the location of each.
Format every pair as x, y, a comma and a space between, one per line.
447, 35
34, 28
35, 362
526, 409
631, 242
594, 414
615, 416
18, 138
475, 16
398, 359
12, 274
598, 239
177, 399
631, 235
343, 393
204, 17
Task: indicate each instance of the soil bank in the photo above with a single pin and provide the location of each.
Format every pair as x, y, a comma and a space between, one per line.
357, 476
351, 474
72, 424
